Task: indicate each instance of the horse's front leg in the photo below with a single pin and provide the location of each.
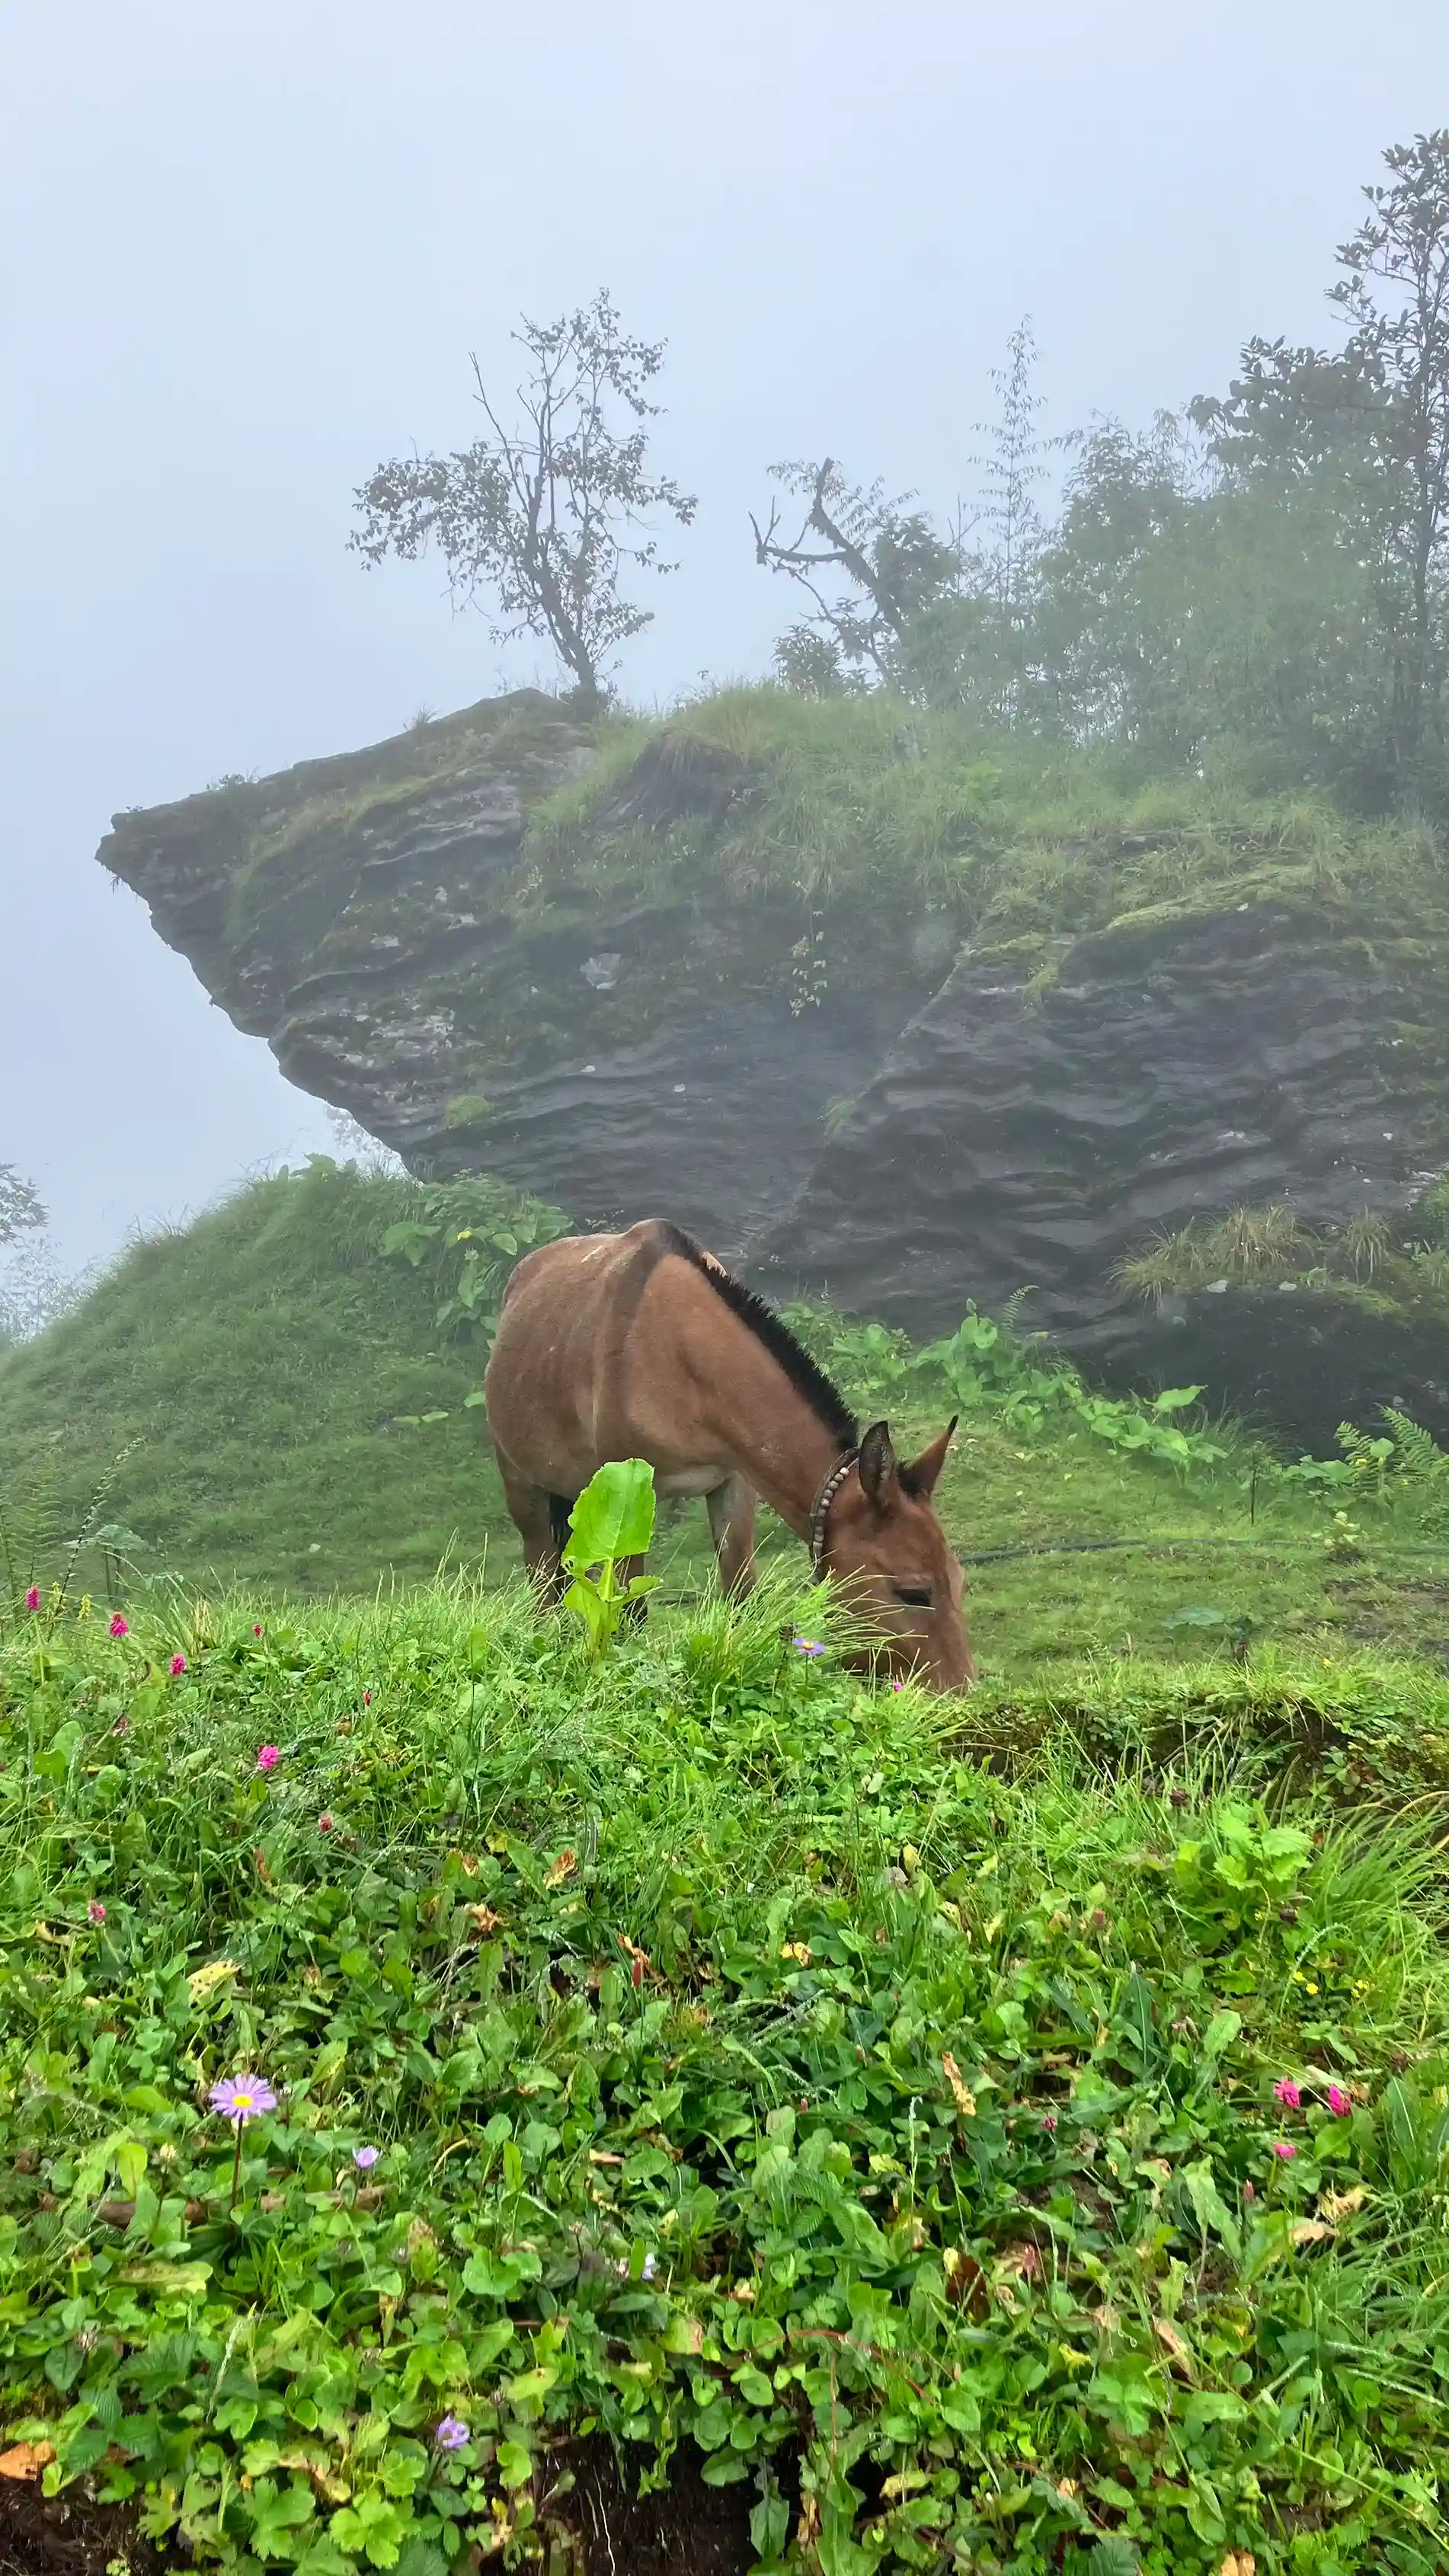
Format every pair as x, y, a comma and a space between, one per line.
731, 1509
540, 1519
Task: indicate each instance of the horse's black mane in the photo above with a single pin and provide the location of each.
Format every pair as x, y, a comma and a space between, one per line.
809, 1380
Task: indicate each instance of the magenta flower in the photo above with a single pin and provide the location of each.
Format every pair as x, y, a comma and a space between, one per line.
178, 1667
450, 2433
95, 1911
32, 1598
1338, 2102
242, 2098
1284, 2152
1049, 2119
268, 1756
119, 1626
324, 1821
256, 1632
367, 1699
1285, 2090
365, 2157
808, 1646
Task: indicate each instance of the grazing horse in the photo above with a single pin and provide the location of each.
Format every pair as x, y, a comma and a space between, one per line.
642, 1345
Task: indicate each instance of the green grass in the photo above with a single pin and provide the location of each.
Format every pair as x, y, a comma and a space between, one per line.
924, 2180
761, 792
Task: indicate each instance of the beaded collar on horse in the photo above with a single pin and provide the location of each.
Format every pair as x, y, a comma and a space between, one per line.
820, 1512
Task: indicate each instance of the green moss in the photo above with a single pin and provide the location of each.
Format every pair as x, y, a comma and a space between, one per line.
466, 1108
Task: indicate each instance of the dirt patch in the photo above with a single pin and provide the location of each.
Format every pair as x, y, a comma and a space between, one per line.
68, 2535
689, 2530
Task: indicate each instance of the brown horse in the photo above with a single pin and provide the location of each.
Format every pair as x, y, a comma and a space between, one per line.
641, 1345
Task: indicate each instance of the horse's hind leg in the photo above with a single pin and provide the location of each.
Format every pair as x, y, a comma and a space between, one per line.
542, 1522
731, 1509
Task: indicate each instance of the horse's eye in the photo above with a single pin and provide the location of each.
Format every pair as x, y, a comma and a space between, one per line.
913, 1595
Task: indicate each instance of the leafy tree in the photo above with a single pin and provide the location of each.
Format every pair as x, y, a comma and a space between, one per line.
547, 515
1191, 615
1370, 425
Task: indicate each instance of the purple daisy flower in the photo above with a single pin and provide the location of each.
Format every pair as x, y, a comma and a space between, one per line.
242, 2098
450, 2433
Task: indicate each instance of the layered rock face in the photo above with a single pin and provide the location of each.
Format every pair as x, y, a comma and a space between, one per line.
937, 1123
1006, 1141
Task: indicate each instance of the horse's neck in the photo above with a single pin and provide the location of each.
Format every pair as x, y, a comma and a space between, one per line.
779, 1444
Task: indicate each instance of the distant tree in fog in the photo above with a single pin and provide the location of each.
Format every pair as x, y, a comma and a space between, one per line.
547, 517
20, 1206
1370, 425
34, 1290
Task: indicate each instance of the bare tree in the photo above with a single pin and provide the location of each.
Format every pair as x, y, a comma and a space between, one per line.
549, 514
891, 557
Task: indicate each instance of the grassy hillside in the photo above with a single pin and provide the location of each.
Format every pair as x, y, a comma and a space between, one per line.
266, 1377
1033, 2168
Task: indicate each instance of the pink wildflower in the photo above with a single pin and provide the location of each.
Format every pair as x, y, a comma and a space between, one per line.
1338, 2102
256, 1632
95, 1911
268, 1756
324, 1821
32, 1598
367, 1699
1284, 2151
1049, 2119
1285, 2090
119, 1627
365, 2157
178, 1667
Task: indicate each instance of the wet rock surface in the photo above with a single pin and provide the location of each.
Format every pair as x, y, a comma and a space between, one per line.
922, 1133
1006, 1140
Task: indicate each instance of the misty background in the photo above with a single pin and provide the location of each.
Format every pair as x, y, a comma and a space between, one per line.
248, 259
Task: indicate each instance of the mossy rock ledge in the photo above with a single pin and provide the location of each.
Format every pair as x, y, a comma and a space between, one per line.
521, 941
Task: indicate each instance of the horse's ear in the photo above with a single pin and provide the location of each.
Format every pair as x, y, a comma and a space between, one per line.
877, 1461
924, 1473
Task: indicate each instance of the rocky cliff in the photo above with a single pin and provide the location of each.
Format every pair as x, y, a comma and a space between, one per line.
825, 998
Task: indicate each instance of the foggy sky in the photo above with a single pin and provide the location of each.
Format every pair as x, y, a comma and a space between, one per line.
249, 250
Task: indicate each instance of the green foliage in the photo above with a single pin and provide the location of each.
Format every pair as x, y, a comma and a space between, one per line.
743, 2066
467, 1235
612, 1519
986, 1369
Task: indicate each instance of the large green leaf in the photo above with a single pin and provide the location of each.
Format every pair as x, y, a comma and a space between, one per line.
614, 1515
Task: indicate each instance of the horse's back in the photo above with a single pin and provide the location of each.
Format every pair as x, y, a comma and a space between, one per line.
564, 1312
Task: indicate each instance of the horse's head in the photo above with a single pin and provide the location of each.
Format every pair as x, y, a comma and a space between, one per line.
888, 1552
